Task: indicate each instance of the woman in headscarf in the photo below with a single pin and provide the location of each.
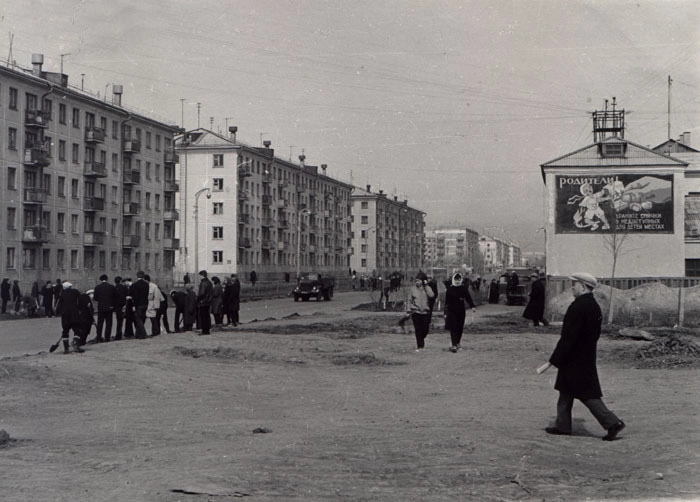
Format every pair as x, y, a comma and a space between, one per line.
457, 298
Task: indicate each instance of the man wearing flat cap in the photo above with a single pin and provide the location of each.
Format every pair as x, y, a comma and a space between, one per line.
204, 298
575, 358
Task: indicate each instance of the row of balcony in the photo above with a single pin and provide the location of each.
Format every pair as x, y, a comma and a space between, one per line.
272, 245
37, 234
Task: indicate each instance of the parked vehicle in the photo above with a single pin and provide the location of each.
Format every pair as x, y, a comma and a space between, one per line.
314, 285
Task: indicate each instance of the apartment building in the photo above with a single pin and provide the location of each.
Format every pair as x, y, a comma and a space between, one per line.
387, 234
87, 186
245, 209
457, 247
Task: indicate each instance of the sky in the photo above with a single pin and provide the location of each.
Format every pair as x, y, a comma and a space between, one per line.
450, 104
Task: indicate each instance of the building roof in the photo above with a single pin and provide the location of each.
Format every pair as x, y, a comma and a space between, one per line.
674, 146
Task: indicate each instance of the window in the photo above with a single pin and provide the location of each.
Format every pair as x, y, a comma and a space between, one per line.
74, 188
613, 149
114, 230
89, 119
61, 189
148, 200
148, 170
218, 232
10, 263
115, 162
60, 258
156, 231
157, 142
217, 184
692, 218
218, 208
364, 220
46, 183
13, 98
11, 215
61, 113
12, 138
47, 106
148, 140
156, 261
217, 256
363, 248
364, 262
218, 160
61, 149
46, 259
115, 129
103, 260
147, 232
157, 201
103, 124
31, 101
74, 223
364, 204
29, 258
75, 153
113, 259
157, 172
12, 178
115, 195
61, 223
48, 142
74, 259
46, 220
76, 118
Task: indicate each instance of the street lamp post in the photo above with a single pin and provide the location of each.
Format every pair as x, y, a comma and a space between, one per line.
196, 226
300, 212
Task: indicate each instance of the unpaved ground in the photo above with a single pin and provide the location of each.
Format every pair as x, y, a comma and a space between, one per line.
342, 408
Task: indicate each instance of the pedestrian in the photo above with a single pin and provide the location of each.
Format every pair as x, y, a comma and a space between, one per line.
253, 277
35, 294
189, 315
534, 310
457, 298
16, 296
204, 298
5, 293
70, 320
575, 359
121, 292
86, 316
57, 289
138, 292
30, 306
232, 300
432, 284
217, 302
178, 298
153, 305
128, 310
162, 312
493, 291
47, 298
354, 281
105, 294
419, 308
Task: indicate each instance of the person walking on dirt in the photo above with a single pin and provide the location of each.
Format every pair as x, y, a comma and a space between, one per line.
5, 294
70, 319
535, 307
105, 295
138, 292
419, 308
575, 358
204, 299
47, 298
457, 298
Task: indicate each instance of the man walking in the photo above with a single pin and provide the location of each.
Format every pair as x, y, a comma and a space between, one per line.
105, 294
204, 298
575, 358
138, 292
535, 307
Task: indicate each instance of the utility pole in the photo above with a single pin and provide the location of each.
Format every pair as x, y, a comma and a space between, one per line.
62, 55
199, 107
669, 106
182, 113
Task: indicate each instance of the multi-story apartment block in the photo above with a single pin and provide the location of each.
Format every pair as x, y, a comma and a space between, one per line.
245, 209
387, 234
457, 247
87, 185
498, 254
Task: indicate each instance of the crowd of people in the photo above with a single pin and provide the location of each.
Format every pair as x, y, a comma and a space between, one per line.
131, 307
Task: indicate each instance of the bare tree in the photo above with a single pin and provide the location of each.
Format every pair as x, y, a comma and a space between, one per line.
614, 242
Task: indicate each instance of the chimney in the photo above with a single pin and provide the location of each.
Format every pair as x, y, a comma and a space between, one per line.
369, 188
302, 158
117, 91
232, 131
686, 138
323, 168
267, 143
37, 62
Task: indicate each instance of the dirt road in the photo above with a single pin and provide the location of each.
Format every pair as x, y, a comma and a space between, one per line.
339, 408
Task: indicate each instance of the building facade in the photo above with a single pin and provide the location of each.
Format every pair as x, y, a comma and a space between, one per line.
387, 235
85, 183
457, 248
246, 210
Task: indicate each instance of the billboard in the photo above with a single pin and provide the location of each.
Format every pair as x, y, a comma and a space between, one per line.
615, 203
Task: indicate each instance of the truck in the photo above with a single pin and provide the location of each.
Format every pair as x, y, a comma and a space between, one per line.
313, 285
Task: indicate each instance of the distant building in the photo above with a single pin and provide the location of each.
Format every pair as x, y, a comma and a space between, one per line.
86, 183
387, 234
457, 247
245, 209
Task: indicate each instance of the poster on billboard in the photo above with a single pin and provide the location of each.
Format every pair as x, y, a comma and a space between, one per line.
616, 203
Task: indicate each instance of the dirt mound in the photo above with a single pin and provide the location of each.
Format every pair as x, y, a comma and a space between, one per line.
367, 359
669, 352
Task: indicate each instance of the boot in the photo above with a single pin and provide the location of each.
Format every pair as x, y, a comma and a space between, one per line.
76, 345
66, 346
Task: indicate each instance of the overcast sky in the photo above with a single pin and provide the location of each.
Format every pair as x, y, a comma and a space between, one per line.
450, 104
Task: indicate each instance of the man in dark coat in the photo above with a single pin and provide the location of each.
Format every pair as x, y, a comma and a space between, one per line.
204, 299
575, 358
535, 307
70, 317
57, 289
47, 299
5, 294
178, 298
138, 292
106, 297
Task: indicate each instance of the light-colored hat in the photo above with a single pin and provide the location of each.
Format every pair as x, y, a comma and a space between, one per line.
67, 285
584, 278
90, 292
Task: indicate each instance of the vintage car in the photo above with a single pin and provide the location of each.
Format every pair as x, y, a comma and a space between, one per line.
313, 285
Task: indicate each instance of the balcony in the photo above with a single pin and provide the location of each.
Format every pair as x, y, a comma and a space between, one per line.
283, 246
93, 204
170, 158
36, 156
171, 214
94, 134
35, 234
243, 218
37, 118
243, 196
171, 186
244, 171
131, 209
268, 244
131, 146
301, 190
171, 243
95, 169
244, 242
282, 183
131, 241
267, 179
282, 204
312, 248
266, 200
284, 223
35, 195
132, 177
93, 238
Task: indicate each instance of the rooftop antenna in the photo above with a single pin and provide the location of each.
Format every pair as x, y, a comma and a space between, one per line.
669, 106
9, 54
199, 107
62, 56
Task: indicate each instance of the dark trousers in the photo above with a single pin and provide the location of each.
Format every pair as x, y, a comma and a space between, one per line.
455, 323
120, 322
139, 320
219, 319
155, 326
48, 309
4, 306
205, 318
179, 314
421, 323
129, 323
68, 324
104, 320
162, 316
602, 414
